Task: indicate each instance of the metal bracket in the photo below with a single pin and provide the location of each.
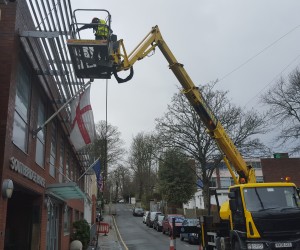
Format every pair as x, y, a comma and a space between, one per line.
40, 34
51, 72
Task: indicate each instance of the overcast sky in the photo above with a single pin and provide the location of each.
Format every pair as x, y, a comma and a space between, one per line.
247, 45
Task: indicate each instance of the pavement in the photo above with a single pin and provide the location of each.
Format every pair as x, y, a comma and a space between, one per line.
111, 240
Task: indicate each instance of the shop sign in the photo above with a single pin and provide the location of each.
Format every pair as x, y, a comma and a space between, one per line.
27, 172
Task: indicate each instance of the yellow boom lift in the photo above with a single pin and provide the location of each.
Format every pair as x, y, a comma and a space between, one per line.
257, 215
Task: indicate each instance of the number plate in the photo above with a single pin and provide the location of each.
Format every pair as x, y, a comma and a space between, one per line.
283, 244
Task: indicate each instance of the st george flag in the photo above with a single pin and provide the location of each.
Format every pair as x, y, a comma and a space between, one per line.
82, 127
97, 169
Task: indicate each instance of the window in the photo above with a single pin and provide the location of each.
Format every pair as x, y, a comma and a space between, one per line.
256, 165
67, 166
53, 150
72, 170
225, 182
212, 182
88, 183
61, 160
22, 107
67, 220
77, 215
259, 179
40, 142
267, 198
75, 172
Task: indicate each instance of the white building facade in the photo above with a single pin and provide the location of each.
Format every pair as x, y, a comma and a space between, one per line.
222, 180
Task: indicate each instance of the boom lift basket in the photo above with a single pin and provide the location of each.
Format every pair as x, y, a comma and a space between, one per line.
85, 54
86, 64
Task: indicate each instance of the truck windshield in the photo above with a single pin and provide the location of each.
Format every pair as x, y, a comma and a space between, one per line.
263, 198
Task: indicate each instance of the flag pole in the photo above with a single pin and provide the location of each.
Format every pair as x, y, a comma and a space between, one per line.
88, 169
35, 132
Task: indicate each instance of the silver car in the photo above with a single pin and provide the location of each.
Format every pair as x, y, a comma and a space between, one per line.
138, 211
145, 216
157, 223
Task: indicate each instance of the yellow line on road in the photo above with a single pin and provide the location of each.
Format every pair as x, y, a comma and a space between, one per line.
118, 233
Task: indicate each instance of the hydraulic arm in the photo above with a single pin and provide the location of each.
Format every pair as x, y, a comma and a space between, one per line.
232, 156
257, 215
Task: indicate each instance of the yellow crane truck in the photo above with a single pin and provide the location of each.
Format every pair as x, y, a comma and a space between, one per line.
257, 215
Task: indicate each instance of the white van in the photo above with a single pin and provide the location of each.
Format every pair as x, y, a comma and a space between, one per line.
150, 218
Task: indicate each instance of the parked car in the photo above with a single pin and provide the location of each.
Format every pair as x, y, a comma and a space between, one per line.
192, 237
157, 223
138, 211
167, 223
150, 218
145, 216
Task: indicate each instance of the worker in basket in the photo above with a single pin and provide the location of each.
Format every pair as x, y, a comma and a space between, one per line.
101, 32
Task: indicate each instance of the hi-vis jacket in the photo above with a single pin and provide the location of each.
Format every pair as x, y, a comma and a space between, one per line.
102, 29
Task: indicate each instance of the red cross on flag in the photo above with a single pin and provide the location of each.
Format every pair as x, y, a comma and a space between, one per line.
82, 127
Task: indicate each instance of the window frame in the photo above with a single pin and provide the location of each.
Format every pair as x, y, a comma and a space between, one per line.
53, 150
21, 82
67, 220
41, 135
61, 160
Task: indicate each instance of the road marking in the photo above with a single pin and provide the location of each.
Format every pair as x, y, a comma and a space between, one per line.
118, 233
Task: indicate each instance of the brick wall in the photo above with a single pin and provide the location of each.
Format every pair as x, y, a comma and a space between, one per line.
7, 22
7, 44
15, 17
275, 169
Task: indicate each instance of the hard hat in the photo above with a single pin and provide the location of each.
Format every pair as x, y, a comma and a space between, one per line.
95, 20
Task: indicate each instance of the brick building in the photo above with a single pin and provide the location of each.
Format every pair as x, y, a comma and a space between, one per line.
44, 168
275, 170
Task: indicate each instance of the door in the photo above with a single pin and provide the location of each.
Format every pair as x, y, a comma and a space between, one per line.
52, 225
238, 217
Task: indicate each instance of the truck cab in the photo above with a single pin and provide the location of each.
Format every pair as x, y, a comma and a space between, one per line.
257, 216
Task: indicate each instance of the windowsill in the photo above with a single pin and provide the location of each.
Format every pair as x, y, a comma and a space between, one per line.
20, 149
40, 165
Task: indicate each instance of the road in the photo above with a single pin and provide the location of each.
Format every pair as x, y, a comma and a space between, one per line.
137, 236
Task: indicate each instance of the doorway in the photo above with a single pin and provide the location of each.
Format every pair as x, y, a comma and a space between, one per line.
23, 220
52, 224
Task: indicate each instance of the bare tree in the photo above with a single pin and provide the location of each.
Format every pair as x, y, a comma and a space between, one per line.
108, 147
142, 162
181, 127
283, 101
120, 179
109, 136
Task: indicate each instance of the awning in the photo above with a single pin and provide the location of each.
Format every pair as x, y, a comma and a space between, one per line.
65, 191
